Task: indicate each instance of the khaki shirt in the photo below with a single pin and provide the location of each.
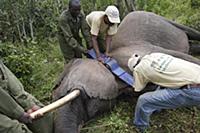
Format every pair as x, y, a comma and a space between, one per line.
165, 70
96, 22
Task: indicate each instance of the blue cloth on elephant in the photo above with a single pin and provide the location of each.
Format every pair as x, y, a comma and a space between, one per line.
114, 67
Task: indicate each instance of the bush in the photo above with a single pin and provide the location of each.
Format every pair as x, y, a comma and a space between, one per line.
36, 65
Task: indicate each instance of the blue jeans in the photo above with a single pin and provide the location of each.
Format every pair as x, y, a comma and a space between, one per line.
163, 99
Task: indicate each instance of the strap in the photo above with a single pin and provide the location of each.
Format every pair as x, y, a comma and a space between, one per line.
114, 67
193, 86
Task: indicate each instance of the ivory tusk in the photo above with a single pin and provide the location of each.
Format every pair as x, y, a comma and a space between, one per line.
56, 104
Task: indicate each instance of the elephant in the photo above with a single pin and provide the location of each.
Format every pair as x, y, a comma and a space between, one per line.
140, 32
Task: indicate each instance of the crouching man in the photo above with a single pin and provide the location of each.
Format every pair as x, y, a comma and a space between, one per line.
15, 106
179, 78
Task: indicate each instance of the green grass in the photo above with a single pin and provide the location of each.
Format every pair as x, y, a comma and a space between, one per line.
119, 120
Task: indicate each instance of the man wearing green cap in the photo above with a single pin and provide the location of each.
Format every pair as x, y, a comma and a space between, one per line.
103, 23
16, 105
71, 22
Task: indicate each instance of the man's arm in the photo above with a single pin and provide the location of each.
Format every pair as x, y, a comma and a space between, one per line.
95, 45
108, 43
85, 30
9, 106
16, 90
68, 35
140, 81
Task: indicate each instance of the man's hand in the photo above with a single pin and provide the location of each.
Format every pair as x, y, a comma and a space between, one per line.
100, 59
33, 109
108, 54
25, 118
84, 50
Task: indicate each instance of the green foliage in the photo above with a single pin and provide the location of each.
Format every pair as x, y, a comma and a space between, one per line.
36, 65
21, 20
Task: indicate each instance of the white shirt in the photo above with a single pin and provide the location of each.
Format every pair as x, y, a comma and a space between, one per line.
96, 22
165, 70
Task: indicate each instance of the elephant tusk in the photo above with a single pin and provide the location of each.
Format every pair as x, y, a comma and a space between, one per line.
55, 104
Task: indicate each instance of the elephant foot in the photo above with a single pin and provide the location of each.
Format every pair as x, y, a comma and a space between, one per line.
195, 49
80, 126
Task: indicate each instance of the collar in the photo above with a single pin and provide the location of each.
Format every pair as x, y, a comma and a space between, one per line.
138, 61
72, 18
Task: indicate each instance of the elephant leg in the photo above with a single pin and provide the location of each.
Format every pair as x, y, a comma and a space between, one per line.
195, 49
69, 117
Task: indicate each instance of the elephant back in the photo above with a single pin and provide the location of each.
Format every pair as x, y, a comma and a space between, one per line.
149, 27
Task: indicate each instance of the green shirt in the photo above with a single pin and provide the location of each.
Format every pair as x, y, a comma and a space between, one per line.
14, 100
68, 32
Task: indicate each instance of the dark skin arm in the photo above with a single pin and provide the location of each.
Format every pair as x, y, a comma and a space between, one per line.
108, 37
96, 47
108, 42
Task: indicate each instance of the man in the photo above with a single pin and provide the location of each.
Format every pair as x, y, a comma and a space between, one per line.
103, 23
15, 106
180, 79
71, 22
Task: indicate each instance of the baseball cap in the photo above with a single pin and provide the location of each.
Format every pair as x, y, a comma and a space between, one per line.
133, 61
113, 14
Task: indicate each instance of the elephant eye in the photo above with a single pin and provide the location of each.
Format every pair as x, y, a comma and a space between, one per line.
136, 55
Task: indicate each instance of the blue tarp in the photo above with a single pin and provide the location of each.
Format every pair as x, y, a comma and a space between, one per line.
114, 67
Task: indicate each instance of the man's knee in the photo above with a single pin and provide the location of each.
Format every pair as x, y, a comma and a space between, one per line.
142, 100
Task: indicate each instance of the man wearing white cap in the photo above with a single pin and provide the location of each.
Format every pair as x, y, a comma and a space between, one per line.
103, 23
180, 80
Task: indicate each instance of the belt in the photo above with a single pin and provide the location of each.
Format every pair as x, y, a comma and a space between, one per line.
191, 86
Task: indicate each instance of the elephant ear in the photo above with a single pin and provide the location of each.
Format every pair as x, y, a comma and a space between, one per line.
90, 76
149, 27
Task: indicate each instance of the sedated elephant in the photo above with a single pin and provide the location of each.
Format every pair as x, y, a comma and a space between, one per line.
140, 32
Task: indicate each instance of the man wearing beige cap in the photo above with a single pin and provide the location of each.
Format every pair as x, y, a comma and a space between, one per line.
180, 81
103, 24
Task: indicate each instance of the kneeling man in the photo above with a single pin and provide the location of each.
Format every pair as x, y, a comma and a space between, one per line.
179, 78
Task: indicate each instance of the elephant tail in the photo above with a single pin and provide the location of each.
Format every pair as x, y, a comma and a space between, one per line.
191, 33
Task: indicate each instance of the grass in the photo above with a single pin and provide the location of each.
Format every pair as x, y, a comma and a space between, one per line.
119, 120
